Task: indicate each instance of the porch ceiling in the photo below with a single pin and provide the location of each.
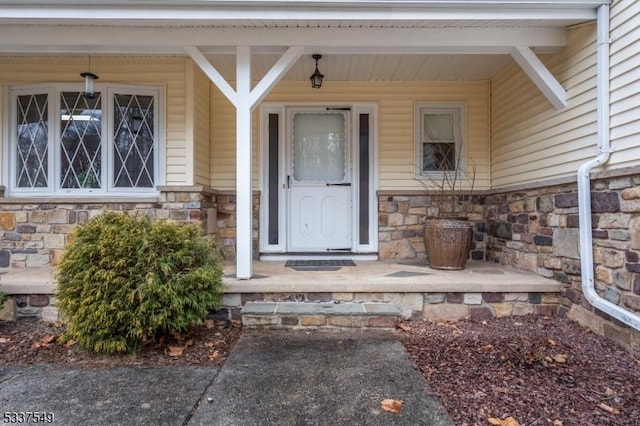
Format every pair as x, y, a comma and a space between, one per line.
338, 26
380, 67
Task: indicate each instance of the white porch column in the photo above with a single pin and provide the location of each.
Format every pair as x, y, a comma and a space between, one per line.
245, 99
244, 205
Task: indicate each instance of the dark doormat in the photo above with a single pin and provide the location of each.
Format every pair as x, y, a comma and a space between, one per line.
316, 268
316, 263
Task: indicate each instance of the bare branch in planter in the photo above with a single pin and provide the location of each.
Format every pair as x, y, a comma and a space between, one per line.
450, 184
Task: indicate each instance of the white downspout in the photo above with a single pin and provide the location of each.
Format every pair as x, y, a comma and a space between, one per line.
584, 186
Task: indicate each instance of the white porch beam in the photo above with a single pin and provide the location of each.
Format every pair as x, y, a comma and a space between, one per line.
541, 76
157, 39
244, 209
305, 11
274, 75
211, 72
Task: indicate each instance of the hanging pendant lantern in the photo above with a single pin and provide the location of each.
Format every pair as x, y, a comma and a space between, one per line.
317, 77
89, 78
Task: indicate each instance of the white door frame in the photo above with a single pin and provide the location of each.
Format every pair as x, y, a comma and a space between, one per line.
281, 109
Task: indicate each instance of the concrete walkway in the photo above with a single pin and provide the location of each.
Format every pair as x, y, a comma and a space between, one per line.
271, 378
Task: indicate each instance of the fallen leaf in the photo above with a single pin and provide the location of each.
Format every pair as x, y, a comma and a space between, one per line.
558, 423
391, 405
236, 323
209, 344
70, 343
175, 350
404, 327
189, 342
47, 339
208, 323
177, 335
560, 358
552, 342
517, 324
610, 392
608, 408
487, 347
509, 421
214, 355
4, 340
43, 342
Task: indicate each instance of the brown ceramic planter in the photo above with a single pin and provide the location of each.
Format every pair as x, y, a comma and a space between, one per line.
447, 242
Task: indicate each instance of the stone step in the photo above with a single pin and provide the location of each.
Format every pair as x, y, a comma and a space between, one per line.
319, 315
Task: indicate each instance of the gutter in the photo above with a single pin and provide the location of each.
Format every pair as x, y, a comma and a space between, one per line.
584, 187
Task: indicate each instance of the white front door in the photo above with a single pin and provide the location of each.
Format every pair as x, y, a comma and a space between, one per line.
319, 191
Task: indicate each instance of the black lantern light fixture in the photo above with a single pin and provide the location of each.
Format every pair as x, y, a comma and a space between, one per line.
316, 77
89, 78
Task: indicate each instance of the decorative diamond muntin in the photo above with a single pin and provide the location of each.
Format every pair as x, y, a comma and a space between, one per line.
32, 141
133, 140
81, 140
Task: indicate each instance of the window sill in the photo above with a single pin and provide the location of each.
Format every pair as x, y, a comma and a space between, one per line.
98, 199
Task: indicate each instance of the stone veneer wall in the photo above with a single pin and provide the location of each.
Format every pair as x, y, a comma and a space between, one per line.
537, 230
432, 306
33, 234
226, 223
401, 219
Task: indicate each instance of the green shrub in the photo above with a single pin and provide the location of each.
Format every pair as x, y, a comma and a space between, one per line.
123, 281
3, 298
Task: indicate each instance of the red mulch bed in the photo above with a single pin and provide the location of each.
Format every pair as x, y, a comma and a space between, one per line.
31, 342
538, 370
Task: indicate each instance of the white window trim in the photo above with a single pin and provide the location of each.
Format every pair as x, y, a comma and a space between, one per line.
53, 91
459, 110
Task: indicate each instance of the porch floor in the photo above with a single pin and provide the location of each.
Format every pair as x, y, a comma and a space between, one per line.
388, 276
365, 277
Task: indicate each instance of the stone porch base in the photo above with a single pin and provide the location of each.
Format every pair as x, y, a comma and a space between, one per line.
297, 315
484, 290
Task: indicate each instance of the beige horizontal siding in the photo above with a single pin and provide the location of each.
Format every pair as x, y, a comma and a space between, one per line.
625, 83
396, 139
201, 127
168, 72
530, 140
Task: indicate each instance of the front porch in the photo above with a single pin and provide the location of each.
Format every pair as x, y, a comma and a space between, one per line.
482, 290
392, 276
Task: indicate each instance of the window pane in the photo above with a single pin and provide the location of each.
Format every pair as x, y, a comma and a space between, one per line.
319, 148
80, 140
363, 214
438, 157
32, 137
273, 177
134, 141
438, 127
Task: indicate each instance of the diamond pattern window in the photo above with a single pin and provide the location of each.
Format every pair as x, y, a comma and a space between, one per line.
65, 143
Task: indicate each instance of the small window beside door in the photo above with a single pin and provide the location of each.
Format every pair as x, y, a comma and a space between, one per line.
439, 138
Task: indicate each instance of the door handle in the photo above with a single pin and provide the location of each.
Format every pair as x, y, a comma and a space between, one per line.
339, 184
288, 181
